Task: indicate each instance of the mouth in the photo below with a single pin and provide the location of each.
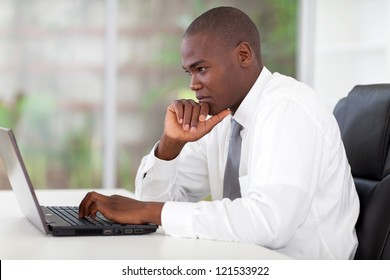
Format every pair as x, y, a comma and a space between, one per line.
203, 99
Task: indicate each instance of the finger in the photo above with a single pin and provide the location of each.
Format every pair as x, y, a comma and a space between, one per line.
104, 207
93, 209
177, 108
187, 114
204, 111
83, 203
195, 116
216, 119
90, 199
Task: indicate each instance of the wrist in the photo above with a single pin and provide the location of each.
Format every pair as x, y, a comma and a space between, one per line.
168, 149
152, 212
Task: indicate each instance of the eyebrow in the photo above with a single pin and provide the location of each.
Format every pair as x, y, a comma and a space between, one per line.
195, 64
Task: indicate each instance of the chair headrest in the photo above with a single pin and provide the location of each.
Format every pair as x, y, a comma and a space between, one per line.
364, 120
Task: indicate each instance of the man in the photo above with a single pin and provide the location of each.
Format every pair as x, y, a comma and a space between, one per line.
294, 190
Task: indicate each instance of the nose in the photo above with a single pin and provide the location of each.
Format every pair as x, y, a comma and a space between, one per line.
195, 85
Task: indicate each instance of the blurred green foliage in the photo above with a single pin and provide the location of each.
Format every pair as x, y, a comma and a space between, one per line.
278, 31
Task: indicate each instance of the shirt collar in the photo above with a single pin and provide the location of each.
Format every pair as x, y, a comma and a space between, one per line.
244, 113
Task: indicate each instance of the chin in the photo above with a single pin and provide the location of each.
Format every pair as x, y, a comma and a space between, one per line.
214, 110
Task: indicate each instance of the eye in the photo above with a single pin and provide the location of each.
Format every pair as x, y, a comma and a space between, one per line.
201, 69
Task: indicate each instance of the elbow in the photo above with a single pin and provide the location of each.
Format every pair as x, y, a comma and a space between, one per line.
272, 236
269, 229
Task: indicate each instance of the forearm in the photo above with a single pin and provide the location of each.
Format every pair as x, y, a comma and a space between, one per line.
154, 178
244, 220
160, 180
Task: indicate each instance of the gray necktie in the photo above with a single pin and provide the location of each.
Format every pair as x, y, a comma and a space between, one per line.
231, 185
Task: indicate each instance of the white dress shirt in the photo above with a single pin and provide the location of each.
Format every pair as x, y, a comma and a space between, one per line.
298, 195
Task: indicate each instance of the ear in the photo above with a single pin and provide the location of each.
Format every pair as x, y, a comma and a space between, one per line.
245, 54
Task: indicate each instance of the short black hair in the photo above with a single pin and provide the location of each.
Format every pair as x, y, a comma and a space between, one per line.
230, 25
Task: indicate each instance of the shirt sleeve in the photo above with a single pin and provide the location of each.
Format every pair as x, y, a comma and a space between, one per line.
184, 178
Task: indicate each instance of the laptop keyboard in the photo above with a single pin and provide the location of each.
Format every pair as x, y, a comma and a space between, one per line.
71, 215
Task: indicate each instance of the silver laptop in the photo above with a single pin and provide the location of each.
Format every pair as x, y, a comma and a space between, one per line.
55, 220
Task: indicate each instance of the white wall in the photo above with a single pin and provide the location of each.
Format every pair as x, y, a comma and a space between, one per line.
344, 43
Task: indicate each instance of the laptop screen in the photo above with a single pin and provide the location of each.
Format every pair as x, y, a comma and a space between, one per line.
19, 179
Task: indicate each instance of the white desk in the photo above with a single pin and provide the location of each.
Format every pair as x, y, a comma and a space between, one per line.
19, 239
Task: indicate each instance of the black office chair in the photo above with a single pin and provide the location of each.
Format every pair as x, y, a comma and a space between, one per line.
364, 120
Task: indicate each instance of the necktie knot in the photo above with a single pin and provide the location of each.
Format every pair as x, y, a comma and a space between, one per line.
236, 129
